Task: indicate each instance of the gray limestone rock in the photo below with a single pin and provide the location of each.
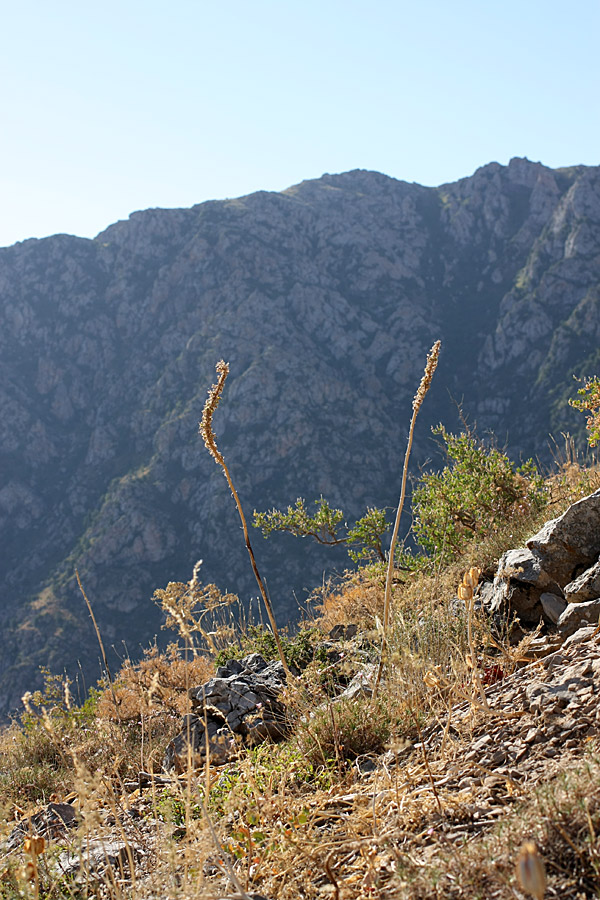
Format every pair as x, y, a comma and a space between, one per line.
518, 587
51, 822
240, 705
586, 587
553, 606
578, 615
361, 685
98, 856
570, 544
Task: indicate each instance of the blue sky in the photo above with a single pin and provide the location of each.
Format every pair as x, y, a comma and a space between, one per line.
110, 107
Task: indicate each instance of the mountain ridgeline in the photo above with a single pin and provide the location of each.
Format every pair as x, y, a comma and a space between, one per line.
325, 299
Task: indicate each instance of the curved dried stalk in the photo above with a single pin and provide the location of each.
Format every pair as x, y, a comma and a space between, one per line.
205, 428
101, 645
430, 367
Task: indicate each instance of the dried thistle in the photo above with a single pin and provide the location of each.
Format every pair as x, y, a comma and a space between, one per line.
185, 605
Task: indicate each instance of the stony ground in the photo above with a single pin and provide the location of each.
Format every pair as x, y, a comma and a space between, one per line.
442, 816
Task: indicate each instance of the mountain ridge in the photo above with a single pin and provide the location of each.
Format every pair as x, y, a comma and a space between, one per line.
325, 298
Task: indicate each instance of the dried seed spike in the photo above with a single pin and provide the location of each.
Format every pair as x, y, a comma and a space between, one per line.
212, 401
430, 367
531, 872
432, 359
205, 429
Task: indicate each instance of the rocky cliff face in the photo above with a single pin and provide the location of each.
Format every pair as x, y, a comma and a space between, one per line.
324, 299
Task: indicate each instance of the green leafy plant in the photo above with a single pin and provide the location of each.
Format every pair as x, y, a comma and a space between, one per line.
363, 538
471, 495
589, 402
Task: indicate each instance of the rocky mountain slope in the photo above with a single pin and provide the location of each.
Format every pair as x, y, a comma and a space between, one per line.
324, 299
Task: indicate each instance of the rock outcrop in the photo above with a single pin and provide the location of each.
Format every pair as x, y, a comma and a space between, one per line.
240, 706
555, 578
325, 299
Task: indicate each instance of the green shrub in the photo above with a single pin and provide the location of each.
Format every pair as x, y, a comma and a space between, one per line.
363, 539
589, 402
343, 730
475, 492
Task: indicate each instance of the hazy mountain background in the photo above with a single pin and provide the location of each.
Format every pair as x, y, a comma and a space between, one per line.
325, 299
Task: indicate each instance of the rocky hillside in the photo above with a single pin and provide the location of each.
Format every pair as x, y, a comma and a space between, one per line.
324, 299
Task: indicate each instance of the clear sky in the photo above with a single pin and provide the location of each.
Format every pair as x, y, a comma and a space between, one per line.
108, 107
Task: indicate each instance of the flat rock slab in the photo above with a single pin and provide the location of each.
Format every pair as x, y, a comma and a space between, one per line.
98, 856
51, 822
553, 606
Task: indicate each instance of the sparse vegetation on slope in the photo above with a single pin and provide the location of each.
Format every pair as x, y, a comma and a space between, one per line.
436, 785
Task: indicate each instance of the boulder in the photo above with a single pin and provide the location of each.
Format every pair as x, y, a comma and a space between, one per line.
578, 615
239, 706
51, 822
361, 685
568, 545
518, 587
96, 857
343, 632
586, 587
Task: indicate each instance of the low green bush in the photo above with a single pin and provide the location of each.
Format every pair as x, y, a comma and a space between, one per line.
471, 496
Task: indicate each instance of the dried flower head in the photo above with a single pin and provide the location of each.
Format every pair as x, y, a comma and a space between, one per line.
430, 367
468, 584
531, 871
212, 401
434, 678
34, 845
194, 582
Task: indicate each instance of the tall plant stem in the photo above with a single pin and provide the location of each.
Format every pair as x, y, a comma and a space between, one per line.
259, 580
432, 360
101, 645
207, 433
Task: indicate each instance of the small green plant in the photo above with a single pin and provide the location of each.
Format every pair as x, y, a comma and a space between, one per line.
300, 650
474, 492
363, 538
343, 730
589, 402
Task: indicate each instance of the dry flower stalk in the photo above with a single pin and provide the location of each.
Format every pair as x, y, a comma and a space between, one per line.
466, 592
430, 367
212, 401
531, 872
100, 644
206, 430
